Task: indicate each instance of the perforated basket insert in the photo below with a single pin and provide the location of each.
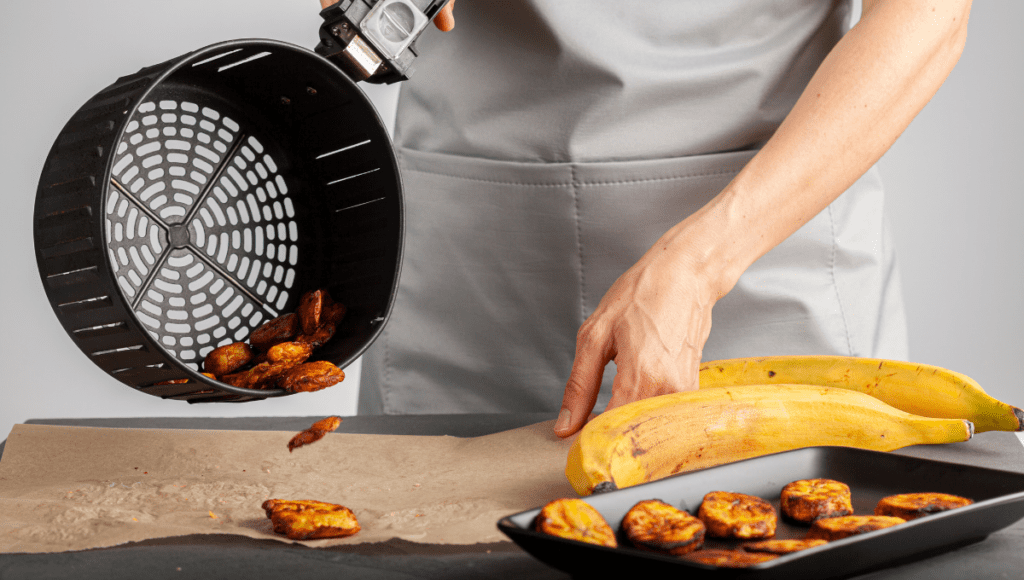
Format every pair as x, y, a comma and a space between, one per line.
241, 176
200, 227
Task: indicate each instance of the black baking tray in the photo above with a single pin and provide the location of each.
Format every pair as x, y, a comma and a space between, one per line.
871, 475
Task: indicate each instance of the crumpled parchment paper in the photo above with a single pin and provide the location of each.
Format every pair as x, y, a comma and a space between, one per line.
75, 488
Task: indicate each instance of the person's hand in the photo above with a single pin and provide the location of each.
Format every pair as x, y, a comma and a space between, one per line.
655, 319
653, 322
443, 20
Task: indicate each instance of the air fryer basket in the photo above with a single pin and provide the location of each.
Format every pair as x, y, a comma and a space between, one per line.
187, 204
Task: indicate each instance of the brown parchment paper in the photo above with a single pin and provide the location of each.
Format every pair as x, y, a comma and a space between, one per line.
74, 488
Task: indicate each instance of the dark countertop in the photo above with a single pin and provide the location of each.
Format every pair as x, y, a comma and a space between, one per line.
1001, 555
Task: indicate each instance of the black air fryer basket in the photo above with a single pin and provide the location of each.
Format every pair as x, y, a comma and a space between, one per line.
187, 204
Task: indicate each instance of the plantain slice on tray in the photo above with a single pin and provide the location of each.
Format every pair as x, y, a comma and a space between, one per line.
722, 558
806, 500
911, 506
737, 515
837, 528
781, 547
575, 519
659, 527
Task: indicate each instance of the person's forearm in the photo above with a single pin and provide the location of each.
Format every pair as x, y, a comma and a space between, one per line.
862, 97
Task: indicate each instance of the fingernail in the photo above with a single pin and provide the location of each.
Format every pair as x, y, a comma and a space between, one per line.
564, 418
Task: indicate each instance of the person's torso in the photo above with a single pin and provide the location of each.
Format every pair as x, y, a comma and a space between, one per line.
565, 80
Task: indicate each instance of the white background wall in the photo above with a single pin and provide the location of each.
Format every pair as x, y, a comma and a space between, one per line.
953, 179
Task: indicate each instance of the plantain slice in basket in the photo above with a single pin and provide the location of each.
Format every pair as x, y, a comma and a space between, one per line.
284, 328
227, 359
311, 376
289, 352
310, 308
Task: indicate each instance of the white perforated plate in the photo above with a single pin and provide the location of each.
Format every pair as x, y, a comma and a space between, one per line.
200, 228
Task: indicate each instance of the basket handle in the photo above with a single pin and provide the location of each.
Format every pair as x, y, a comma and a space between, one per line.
444, 20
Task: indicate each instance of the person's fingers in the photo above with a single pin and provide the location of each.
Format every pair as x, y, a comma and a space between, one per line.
584, 382
443, 20
580, 397
630, 386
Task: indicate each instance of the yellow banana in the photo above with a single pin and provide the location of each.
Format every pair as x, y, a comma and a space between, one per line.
915, 388
657, 437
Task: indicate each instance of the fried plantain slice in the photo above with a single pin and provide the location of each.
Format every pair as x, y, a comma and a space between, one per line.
575, 519
319, 337
657, 526
806, 500
729, 558
781, 546
333, 313
737, 515
281, 329
262, 376
315, 432
173, 382
244, 379
271, 374
183, 381
845, 526
227, 359
310, 308
311, 376
911, 506
289, 352
308, 519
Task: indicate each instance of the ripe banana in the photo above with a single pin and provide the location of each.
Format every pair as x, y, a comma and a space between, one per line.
920, 389
657, 437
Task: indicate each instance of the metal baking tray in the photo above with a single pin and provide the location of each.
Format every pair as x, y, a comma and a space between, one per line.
998, 497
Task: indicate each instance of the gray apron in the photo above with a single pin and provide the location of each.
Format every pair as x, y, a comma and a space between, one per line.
546, 144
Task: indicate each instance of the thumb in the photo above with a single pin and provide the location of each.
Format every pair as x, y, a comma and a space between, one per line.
443, 20
326, 3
